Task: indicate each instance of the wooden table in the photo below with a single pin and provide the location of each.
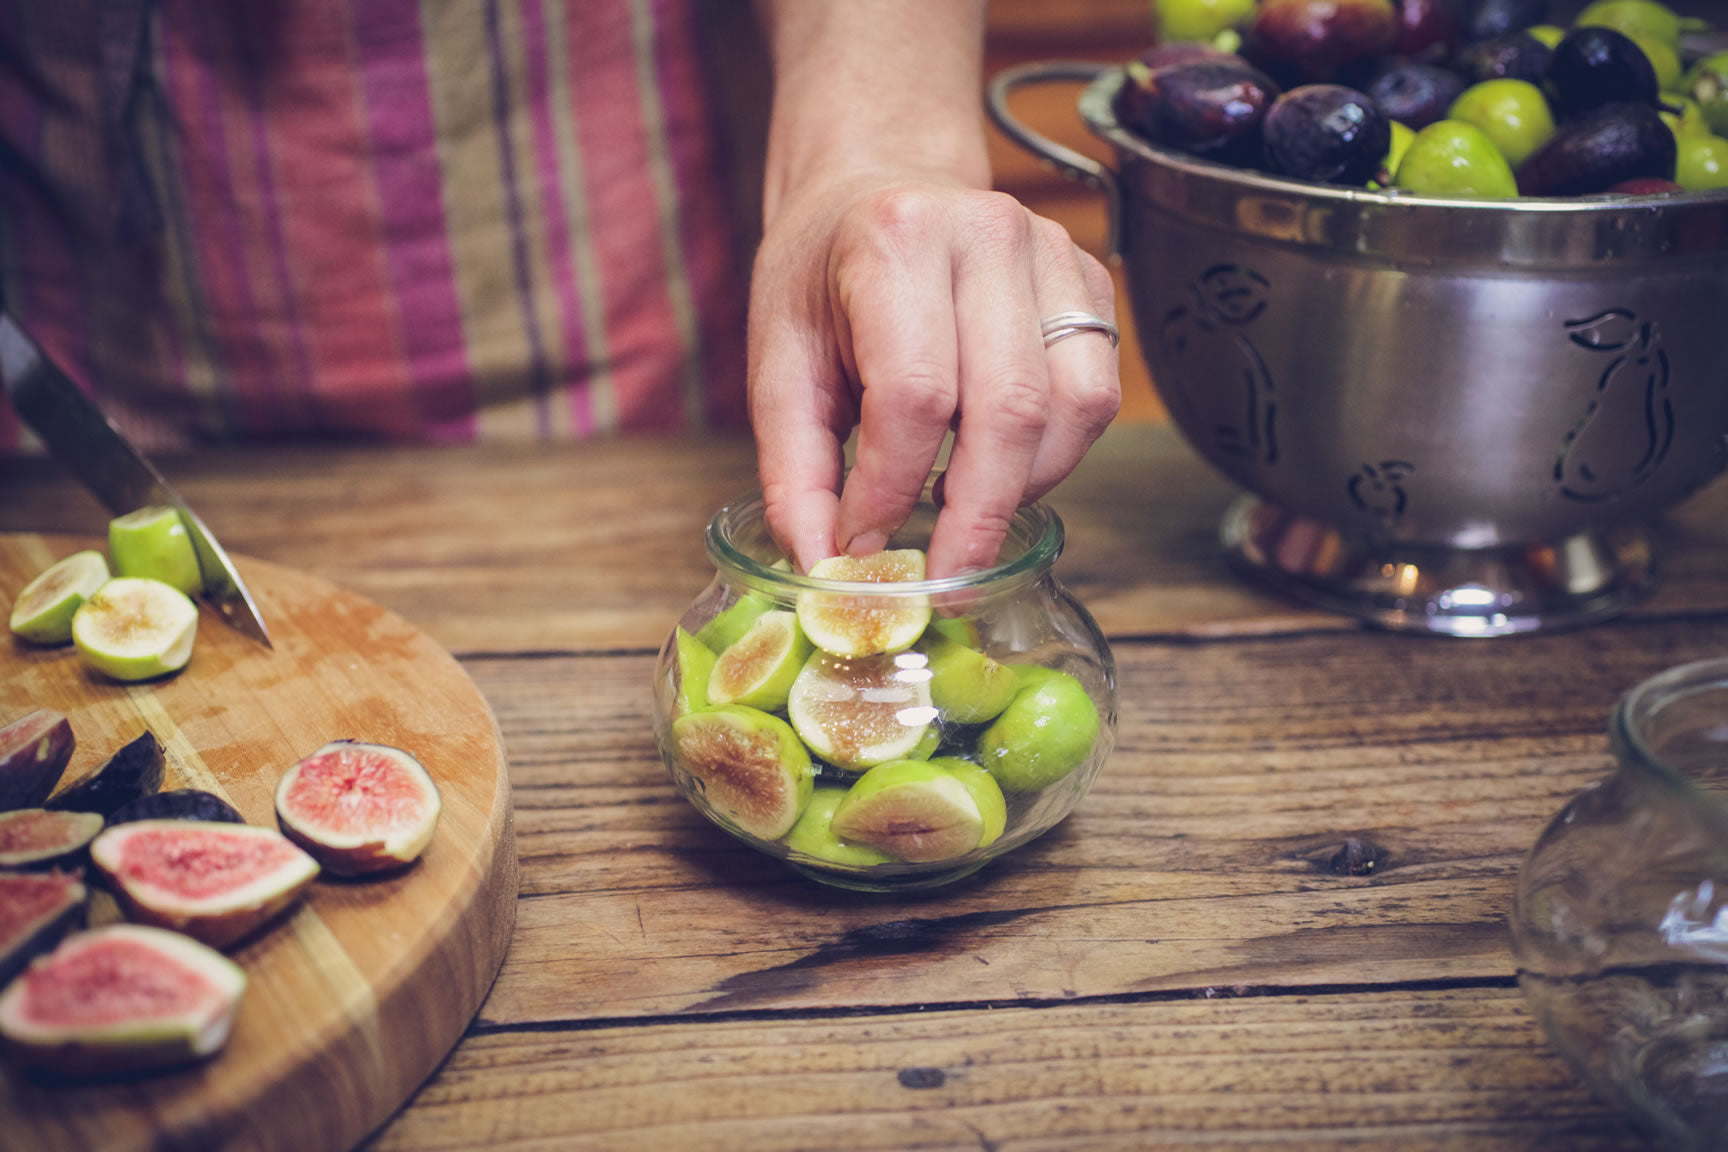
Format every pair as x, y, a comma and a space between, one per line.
1186, 961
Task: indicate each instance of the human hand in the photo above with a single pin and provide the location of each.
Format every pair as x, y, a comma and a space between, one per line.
908, 305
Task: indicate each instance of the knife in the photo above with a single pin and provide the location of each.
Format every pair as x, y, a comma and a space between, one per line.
87, 443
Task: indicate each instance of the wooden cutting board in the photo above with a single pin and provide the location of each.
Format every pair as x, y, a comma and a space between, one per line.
356, 995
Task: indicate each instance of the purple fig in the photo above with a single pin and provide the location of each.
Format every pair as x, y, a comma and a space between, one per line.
34, 751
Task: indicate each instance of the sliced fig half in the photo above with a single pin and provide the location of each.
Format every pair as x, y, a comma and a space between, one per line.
34, 751
121, 999
178, 804
749, 766
36, 910
865, 621
38, 838
135, 770
913, 810
43, 612
214, 882
862, 712
359, 808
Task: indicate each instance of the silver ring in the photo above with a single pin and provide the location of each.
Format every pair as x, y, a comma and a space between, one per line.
1066, 324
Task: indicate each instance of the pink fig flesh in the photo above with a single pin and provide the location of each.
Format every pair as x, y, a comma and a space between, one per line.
359, 808
37, 838
214, 882
121, 999
36, 910
34, 751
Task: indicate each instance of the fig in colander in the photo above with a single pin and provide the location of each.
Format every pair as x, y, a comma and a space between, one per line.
1519, 56
1593, 66
43, 612
37, 838
749, 766
1309, 41
214, 882
1603, 147
1491, 18
37, 909
121, 999
1326, 133
1414, 93
1211, 106
1453, 158
135, 770
359, 808
34, 751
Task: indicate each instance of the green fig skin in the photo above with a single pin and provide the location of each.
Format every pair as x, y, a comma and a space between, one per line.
733, 621
813, 835
695, 665
758, 668
986, 793
751, 767
967, 686
1044, 734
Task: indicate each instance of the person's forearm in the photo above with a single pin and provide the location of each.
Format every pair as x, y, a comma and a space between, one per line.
862, 82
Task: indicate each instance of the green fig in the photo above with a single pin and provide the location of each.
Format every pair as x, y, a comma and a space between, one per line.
748, 765
863, 622
733, 621
967, 686
135, 629
914, 810
758, 668
153, 544
1044, 734
813, 835
1453, 158
866, 711
986, 793
43, 612
695, 665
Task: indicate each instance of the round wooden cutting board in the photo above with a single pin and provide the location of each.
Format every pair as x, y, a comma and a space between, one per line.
356, 994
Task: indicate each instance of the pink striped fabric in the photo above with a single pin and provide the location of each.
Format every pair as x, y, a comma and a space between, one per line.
385, 219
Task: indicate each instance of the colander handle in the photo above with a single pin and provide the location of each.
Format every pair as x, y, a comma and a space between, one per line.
1074, 165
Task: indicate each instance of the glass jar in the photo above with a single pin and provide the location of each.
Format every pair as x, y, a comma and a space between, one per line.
884, 733
1620, 921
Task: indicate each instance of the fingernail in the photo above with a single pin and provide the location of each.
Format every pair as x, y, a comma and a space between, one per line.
865, 543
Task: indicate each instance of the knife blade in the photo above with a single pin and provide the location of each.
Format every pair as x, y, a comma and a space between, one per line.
85, 441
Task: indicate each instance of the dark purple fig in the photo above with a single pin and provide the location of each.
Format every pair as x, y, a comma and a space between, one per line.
1415, 94
38, 838
1593, 66
1326, 133
214, 882
37, 909
1298, 41
1517, 56
1207, 107
34, 750
120, 1000
136, 770
359, 808
1603, 147
1177, 52
1492, 18
1427, 29
178, 804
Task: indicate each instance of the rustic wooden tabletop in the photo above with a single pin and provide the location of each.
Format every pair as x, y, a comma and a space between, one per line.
1278, 920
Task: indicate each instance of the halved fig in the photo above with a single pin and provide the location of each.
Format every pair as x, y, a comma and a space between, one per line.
214, 882
43, 612
34, 750
38, 838
915, 810
749, 765
152, 543
866, 711
121, 999
36, 910
813, 835
178, 804
758, 668
136, 629
862, 622
359, 808
135, 770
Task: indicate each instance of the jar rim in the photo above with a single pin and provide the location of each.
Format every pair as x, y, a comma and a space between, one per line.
1037, 522
1640, 705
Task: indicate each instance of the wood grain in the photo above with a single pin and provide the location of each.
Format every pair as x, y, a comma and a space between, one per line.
361, 990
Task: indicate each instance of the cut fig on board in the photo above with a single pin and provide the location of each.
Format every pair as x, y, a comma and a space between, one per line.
135, 770
866, 711
121, 999
153, 544
359, 808
866, 622
214, 882
750, 767
37, 909
136, 629
38, 838
178, 804
34, 751
43, 612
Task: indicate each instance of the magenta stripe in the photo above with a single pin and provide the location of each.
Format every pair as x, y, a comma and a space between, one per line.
294, 383
404, 159
553, 198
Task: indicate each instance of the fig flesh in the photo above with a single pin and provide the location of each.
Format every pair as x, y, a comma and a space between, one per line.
34, 751
862, 621
214, 882
135, 770
38, 838
749, 766
178, 804
37, 909
813, 836
43, 612
858, 713
359, 808
135, 629
121, 999
758, 668
913, 810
